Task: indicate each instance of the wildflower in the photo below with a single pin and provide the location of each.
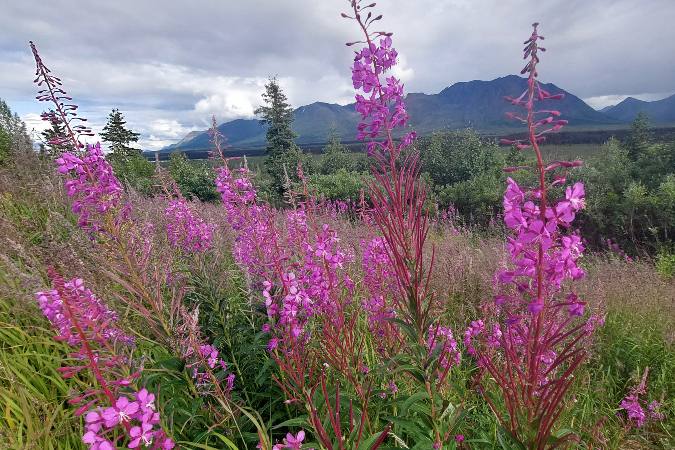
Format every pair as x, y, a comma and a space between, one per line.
441, 340
97, 442
92, 315
141, 434
185, 229
93, 187
538, 330
120, 412
635, 406
636, 413
146, 400
294, 442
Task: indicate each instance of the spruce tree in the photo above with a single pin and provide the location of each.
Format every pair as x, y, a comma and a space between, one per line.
5, 147
281, 149
118, 136
14, 130
55, 141
639, 138
128, 163
336, 155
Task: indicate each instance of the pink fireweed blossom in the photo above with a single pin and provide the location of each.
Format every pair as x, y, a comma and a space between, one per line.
380, 281
136, 419
84, 310
441, 342
637, 410
202, 359
538, 333
257, 241
93, 188
397, 195
111, 414
64, 112
185, 229
380, 105
291, 441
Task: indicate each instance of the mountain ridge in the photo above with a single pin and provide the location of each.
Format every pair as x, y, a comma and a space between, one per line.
659, 111
478, 104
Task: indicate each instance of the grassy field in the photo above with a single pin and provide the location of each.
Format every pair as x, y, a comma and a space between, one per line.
39, 231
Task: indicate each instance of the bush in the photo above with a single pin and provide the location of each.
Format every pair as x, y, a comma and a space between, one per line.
631, 201
134, 170
194, 179
340, 185
456, 156
665, 264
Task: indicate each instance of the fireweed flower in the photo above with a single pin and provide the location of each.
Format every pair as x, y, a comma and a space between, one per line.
440, 341
185, 229
535, 336
93, 188
397, 195
298, 267
379, 280
86, 323
84, 311
202, 359
637, 410
291, 441
64, 114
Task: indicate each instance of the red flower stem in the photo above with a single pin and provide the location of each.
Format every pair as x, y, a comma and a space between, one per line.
64, 118
60, 287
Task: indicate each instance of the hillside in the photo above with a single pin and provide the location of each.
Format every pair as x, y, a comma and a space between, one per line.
476, 104
659, 111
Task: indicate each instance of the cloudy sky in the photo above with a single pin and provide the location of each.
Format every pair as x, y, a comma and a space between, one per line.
169, 65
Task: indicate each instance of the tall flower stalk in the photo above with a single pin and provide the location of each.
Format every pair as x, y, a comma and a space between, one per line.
150, 278
87, 324
64, 114
429, 349
535, 335
397, 195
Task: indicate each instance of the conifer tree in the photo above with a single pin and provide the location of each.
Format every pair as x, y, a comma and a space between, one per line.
281, 148
118, 136
15, 136
129, 163
640, 136
55, 141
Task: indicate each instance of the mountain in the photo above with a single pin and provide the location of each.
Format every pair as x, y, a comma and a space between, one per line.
477, 104
188, 137
659, 111
481, 105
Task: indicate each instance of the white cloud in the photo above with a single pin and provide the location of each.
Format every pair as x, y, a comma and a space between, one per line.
173, 62
602, 101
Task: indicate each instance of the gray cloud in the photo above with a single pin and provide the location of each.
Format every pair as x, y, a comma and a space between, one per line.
169, 65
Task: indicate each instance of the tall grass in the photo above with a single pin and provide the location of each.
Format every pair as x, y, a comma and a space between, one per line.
33, 395
38, 230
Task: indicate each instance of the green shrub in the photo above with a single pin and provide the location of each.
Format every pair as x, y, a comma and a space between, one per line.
194, 178
134, 170
665, 263
341, 185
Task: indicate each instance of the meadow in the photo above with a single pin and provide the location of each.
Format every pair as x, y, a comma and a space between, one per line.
270, 315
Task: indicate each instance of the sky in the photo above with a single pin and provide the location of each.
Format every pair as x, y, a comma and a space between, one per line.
170, 65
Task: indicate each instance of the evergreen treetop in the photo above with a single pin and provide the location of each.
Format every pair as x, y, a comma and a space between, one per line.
55, 140
117, 135
277, 114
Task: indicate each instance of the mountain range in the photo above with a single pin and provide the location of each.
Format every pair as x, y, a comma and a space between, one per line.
659, 111
477, 104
